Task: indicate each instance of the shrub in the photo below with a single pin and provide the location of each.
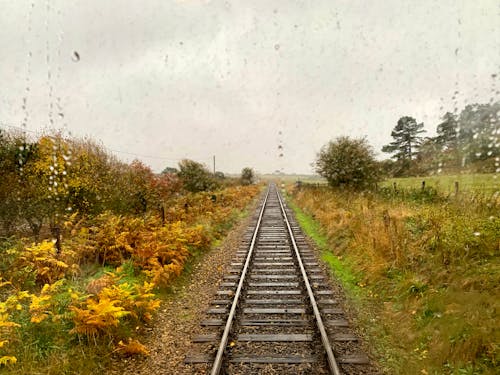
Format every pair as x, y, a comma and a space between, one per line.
195, 176
349, 163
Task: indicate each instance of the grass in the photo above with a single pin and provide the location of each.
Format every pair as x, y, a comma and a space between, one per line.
313, 229
485, 183
422, 275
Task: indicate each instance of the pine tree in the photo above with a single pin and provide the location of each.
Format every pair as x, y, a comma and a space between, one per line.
406, 140
447, 132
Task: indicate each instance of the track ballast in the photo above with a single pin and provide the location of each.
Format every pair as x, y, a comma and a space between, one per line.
275, 311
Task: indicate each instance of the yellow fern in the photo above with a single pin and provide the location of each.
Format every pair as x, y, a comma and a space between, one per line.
132, 347
41, 306
6, 359
98, 316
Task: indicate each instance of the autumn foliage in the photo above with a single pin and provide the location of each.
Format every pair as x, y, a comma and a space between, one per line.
103, 238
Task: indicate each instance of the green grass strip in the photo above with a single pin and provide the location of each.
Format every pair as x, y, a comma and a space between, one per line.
339, 267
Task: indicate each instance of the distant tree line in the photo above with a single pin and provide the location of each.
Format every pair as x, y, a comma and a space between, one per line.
469, 141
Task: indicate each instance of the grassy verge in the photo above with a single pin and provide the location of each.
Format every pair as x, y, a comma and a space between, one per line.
339, 267
422, 274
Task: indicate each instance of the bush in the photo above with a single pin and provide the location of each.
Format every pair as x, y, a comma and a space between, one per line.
349, 163
247, 176
195, 176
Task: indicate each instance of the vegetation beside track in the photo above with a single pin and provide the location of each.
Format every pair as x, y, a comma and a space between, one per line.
68, 312
106, 238
422, 268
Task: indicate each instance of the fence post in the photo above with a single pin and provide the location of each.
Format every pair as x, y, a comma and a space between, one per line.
57, 233
423, 185
162, 213
456, 187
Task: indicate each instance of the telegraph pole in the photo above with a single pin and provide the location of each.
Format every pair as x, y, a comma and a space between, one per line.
214, 165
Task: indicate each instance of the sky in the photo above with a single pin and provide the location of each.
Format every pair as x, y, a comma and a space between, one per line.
261, 84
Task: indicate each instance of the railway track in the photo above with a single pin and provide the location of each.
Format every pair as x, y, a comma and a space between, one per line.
275, 311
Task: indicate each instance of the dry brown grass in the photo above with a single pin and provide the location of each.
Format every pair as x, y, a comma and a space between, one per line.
431, 271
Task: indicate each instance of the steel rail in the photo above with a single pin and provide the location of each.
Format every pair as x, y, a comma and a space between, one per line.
216, 367
332, 363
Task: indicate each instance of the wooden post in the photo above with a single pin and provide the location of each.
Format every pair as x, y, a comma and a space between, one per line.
456, 187
57, 233
162, 213
395, 186
423, 185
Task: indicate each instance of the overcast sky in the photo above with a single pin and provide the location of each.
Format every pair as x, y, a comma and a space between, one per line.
167, 80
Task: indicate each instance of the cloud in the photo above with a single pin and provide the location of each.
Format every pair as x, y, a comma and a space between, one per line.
198, 78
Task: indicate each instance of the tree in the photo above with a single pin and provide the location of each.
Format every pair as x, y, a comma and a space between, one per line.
478, 132
447, 132
347, 162
10, 155
219, 175
247, 176
406, 139
406, 144
195, 176
169, 170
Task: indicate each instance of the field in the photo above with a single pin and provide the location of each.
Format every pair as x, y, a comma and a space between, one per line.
421, 267
484, 183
